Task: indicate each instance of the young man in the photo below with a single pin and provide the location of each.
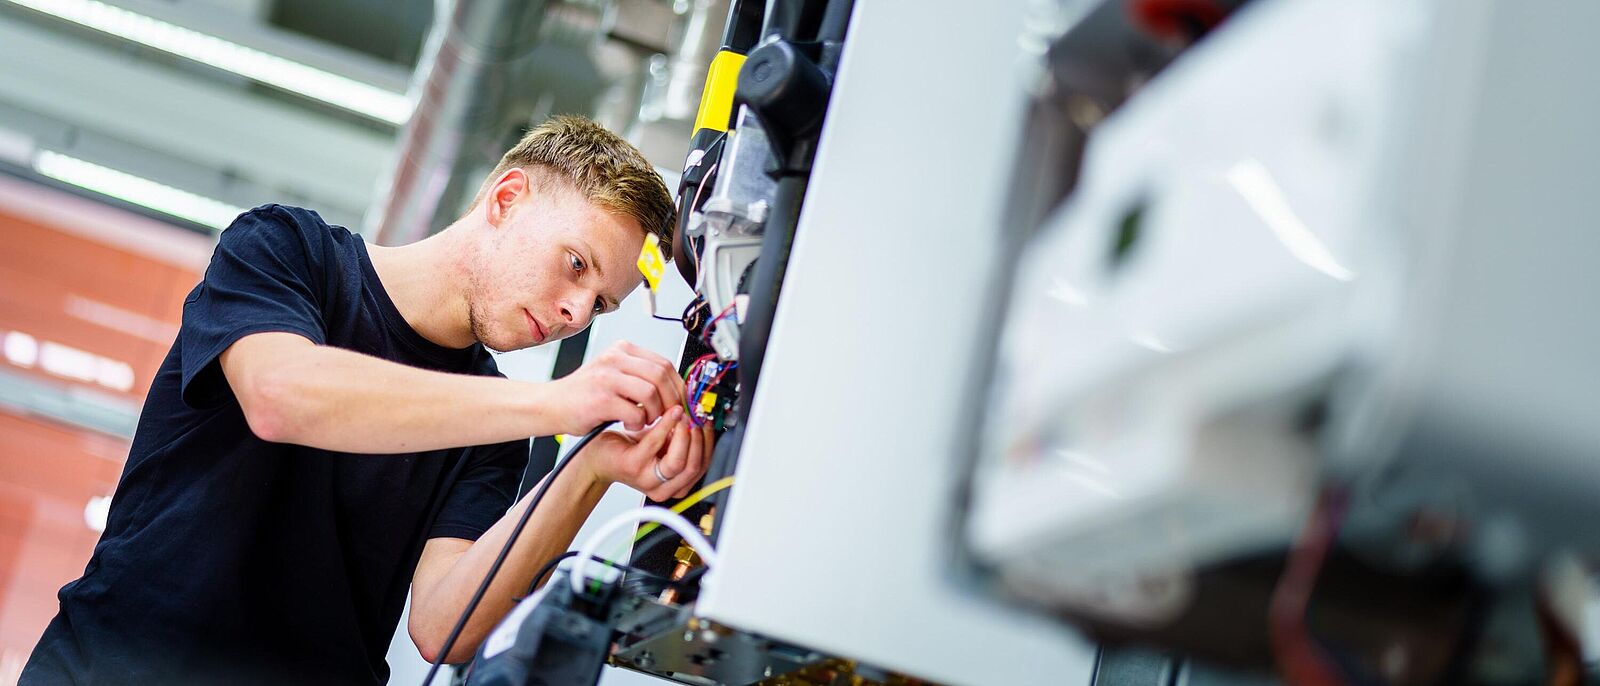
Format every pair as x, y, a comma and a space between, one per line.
328, 432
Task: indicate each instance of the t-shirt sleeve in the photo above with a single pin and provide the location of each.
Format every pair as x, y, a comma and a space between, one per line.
484, 492
262, 277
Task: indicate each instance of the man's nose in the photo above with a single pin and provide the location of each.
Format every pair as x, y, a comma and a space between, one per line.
576, 317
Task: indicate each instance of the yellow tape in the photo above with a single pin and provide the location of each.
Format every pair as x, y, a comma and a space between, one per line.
716, 101
693, 499
651, 262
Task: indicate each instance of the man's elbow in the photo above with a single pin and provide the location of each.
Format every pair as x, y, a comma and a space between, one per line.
429, 640
426, 646
269, 404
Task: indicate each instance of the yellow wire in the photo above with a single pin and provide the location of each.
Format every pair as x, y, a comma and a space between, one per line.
693, 499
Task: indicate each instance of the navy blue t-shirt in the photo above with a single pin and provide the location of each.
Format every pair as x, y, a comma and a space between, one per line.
229, 559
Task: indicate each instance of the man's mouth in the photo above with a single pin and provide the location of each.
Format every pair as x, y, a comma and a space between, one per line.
539, 334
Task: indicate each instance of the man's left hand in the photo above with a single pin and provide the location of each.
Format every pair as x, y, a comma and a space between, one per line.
671, 448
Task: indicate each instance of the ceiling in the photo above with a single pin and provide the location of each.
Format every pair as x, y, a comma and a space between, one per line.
82, 96
202, 108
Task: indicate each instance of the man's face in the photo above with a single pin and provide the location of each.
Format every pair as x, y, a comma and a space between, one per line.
550, 262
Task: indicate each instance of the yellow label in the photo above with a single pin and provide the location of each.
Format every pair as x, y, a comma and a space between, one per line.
708, 400
651, 263
716, 100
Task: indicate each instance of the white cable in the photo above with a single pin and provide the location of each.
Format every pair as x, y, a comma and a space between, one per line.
659, 515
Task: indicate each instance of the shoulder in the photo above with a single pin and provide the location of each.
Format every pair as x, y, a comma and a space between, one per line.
274, 222
294, 234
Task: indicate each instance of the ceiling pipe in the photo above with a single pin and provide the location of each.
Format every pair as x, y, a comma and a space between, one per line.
466, 82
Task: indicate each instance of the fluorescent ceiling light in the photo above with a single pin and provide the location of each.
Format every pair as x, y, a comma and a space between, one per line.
340, 91
137, 190
67, 362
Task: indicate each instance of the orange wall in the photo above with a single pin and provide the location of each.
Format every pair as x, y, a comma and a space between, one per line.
63, 286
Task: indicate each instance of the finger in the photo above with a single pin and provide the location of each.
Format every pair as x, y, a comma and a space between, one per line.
645, 451
641, 393
631, 415
708, 438
692, 465
676, 456
665, 369
645, 353
672, 462
684, 477
660, 375
696, 439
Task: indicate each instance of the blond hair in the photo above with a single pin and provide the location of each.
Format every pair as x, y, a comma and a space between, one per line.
607, 170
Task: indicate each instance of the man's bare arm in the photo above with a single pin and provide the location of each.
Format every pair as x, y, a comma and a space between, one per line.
295, 391
451, 569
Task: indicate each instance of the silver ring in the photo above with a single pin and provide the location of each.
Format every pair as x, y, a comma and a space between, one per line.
657, 467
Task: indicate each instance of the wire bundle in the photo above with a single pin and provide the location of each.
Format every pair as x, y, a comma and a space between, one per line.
705, 373
705, 333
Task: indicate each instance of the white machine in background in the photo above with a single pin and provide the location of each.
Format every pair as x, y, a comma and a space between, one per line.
1334, 264
1192, 299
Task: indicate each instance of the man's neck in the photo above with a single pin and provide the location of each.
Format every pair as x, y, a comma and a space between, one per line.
424, 281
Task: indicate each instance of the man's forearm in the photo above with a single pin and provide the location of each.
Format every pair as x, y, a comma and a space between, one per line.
441, 592
336, 399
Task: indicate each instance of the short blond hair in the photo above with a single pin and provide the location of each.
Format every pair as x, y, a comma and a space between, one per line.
606, 169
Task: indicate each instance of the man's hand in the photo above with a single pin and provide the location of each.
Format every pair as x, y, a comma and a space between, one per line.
625, 383
680, 451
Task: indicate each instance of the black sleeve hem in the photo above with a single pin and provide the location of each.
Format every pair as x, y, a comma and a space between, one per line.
470, 533
202, 397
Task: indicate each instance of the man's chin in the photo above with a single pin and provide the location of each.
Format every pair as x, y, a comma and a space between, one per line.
501, 344
509, 348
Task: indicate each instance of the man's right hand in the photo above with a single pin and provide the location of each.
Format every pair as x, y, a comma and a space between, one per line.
626, 383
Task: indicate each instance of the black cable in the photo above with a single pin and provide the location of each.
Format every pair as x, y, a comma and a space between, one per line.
766, 285
650, 542
666, 319
551, 565
548, 567
835, 19
516, 532
693, 577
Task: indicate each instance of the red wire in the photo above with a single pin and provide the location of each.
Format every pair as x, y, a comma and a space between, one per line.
1301, 661
1168, 19
688, 381
705, 334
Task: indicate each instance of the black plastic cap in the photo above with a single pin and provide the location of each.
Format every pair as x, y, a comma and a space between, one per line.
785, 88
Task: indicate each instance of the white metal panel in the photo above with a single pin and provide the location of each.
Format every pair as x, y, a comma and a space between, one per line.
839, 530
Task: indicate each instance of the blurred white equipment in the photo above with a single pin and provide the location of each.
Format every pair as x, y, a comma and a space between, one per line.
1337, 242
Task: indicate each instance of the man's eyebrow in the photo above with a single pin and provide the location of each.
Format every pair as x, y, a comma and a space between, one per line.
589, 252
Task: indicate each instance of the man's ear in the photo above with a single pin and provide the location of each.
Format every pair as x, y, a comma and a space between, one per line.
512, 185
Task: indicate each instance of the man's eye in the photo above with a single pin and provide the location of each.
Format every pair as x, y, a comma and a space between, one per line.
577, 263
599, 306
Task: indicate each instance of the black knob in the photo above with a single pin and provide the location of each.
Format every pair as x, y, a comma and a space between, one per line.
785, 88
